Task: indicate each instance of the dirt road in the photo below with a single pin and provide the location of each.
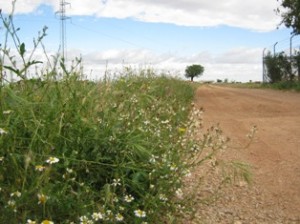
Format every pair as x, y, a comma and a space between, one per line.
274, 196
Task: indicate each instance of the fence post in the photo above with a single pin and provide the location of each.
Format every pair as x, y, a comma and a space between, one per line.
274, 48
291, 45
264, 66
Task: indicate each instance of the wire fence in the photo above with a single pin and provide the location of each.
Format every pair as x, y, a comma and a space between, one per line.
289, 47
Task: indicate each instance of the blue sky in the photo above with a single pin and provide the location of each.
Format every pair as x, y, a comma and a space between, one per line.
227, 38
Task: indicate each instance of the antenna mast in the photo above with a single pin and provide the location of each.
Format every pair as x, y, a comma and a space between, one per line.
63, 18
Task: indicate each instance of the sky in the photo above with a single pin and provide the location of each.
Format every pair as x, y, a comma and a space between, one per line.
227, 37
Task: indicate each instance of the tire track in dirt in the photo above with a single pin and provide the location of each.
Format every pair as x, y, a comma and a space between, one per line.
274, 154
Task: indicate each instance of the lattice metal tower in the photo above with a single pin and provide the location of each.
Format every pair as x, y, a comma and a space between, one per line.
63, 33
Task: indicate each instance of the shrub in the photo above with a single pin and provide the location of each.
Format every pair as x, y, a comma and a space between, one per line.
280, 67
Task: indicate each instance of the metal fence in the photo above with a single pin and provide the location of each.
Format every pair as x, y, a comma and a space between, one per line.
289, 46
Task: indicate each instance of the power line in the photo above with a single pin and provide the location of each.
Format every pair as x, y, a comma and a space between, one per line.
107, 35
97, 31
63, 31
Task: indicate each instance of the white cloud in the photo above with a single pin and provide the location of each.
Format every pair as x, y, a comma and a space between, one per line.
240, 56
241, 64
216, 67
250, 14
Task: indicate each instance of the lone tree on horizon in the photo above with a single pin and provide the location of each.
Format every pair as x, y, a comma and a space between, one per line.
194, 71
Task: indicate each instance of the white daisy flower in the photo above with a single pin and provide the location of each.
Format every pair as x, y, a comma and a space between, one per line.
52, 160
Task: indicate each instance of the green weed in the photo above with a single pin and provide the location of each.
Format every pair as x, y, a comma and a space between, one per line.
77, 150
289, 85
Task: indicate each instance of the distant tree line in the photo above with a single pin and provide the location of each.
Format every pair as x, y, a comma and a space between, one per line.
281, 67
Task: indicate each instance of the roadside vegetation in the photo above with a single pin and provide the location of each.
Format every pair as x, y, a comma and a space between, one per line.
283, 70
294, 86
283, 86
76, 151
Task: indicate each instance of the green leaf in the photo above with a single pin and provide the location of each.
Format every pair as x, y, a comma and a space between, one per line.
28, 65
16, 71
22, 50
62, 65
33, 63
139, 179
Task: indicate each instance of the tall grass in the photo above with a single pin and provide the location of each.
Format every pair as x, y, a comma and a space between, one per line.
71, 149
